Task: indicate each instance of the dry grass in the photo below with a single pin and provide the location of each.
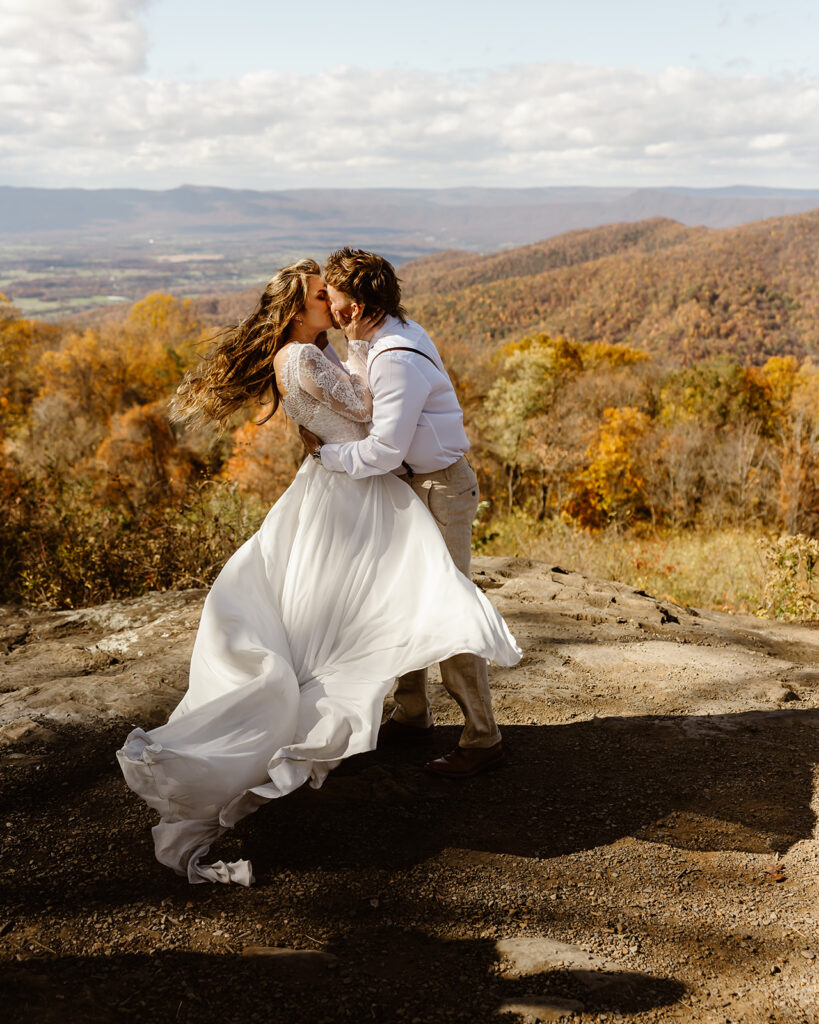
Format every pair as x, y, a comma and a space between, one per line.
719, 568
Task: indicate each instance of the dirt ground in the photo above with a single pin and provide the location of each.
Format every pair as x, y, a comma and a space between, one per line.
647, 853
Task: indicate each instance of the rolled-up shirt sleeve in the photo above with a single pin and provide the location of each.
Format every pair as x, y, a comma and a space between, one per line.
399, 391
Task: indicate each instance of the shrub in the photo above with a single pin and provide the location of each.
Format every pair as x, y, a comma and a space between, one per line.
61, 548
792, 576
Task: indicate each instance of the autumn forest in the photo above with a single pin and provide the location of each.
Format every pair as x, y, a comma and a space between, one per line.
642, 400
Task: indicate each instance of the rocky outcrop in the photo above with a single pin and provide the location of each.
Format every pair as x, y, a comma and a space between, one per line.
591, 647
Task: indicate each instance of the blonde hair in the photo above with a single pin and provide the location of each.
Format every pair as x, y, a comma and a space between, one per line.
240, 367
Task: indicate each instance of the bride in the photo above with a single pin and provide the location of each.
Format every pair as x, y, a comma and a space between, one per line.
347, 585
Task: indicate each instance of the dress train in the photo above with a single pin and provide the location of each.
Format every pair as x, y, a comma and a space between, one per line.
347, 585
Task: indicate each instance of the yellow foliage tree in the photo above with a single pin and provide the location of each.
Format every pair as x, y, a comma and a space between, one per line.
780, 374
106, 371
799, 454
612, 486
532, 370
21, 342
521, 426
164, 320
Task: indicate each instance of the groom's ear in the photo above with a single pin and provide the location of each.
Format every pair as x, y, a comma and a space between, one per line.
356, 309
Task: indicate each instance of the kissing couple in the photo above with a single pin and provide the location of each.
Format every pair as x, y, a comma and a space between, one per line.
358, 576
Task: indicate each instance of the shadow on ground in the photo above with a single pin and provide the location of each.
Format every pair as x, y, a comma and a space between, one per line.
727, 782
382, 976
77, 852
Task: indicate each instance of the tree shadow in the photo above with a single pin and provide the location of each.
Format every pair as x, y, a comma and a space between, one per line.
73, 829
380, 975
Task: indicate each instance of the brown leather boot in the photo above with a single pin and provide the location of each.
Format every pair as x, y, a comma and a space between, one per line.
462, 762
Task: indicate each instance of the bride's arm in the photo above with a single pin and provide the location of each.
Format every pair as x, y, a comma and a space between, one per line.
357, 357
346, 394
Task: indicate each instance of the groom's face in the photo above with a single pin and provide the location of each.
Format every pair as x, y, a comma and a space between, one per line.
342, 307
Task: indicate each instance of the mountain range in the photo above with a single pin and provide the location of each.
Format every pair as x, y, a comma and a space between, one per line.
681, 293
400, 222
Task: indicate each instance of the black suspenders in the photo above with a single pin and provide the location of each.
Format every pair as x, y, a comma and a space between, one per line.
418, 352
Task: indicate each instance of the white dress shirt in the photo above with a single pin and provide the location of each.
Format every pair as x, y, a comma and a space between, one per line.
416, 415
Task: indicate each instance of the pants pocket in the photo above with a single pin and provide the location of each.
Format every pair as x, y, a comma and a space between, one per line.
450, 504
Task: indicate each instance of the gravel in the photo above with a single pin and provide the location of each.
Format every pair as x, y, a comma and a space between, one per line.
647, 853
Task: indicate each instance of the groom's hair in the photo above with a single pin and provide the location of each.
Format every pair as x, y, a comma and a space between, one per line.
368, 278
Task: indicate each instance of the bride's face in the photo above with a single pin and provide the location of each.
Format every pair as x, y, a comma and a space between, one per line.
316, 313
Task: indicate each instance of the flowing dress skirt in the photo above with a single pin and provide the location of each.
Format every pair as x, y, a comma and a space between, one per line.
346, 585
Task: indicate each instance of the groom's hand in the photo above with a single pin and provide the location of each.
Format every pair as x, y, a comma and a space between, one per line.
311, 441
362, 326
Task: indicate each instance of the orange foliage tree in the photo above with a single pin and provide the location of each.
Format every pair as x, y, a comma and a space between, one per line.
107, 370
265, 457
141, 459
21, 343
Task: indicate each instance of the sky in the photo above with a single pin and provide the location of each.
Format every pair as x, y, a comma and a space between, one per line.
515, 93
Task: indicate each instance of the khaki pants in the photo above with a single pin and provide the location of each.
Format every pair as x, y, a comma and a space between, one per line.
451, 495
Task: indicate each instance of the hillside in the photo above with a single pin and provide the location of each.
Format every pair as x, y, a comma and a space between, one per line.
683, 293
440, 273
679, 292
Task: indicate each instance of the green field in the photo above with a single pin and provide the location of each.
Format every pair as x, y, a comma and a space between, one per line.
54, 283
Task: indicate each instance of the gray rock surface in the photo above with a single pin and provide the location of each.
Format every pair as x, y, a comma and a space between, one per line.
591, 646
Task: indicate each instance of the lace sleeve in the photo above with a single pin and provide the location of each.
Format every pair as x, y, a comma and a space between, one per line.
346, 394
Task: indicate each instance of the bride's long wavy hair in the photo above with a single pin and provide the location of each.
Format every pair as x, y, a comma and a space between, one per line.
240, 367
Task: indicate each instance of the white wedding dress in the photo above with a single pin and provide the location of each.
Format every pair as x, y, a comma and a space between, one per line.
346, 585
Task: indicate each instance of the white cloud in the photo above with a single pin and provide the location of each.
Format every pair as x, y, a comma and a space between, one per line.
85, 114
90, 37
773, 141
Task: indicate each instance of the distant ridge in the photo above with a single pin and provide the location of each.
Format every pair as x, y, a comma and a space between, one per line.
447, 271
680, 293
402, 222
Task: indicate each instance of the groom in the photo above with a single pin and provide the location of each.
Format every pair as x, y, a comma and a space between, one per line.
417, 432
